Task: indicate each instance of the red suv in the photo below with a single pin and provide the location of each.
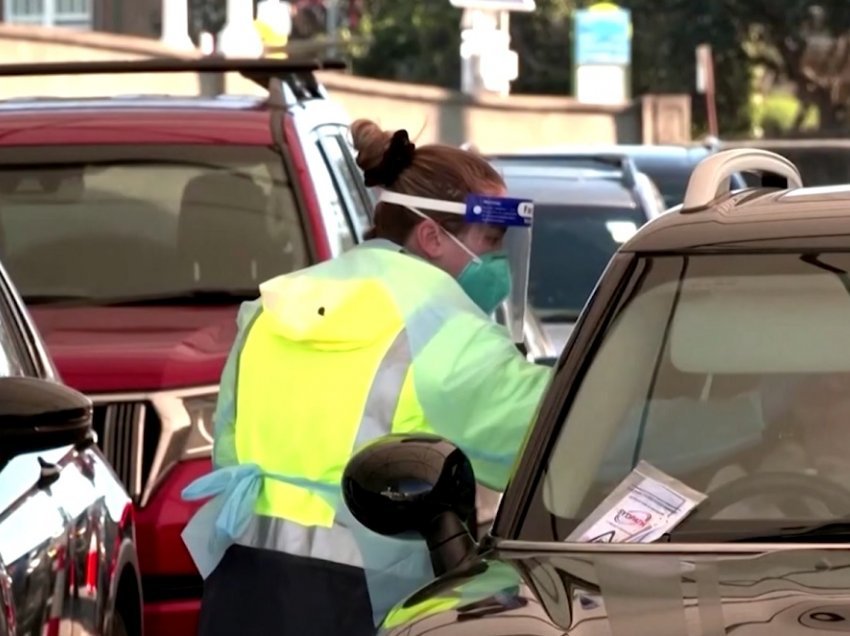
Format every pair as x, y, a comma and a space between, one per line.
134, 227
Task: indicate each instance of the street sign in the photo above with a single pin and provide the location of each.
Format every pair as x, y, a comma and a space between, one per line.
603, 35
494, 5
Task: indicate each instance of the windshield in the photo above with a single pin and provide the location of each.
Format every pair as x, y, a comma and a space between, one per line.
729, 373
571, 245
105, 222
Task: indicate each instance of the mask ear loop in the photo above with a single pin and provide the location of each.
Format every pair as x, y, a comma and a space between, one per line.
475, 257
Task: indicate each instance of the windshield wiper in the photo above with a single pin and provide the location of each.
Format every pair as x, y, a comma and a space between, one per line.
818, 533
179, 297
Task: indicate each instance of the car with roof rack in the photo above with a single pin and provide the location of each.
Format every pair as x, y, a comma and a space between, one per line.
610, 164
706, 382
134, 227
669, 166
585, 208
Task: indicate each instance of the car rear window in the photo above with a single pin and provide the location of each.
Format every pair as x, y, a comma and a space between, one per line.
571, 245
94, 222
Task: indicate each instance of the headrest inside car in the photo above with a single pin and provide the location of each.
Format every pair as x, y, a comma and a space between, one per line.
762, 324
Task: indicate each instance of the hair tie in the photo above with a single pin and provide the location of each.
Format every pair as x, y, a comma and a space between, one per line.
396, 160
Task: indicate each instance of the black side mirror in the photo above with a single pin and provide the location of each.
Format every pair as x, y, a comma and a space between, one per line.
38, 414
415, 485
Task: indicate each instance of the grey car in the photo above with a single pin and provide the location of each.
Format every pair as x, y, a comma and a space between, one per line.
581, 217
668, 165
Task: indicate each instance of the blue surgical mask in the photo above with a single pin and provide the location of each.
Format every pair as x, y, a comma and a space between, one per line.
487, 280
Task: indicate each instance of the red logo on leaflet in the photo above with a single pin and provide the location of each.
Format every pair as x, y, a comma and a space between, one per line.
637, 518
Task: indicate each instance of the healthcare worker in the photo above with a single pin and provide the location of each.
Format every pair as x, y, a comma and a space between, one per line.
394, 335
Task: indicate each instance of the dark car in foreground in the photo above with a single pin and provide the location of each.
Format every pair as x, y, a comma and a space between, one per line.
716, 348
68, 562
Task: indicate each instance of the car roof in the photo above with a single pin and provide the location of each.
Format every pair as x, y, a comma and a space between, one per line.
815, 218
145, 118
575, 186
134, 120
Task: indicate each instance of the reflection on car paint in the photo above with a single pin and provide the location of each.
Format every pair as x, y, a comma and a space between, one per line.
635, 591
59, 542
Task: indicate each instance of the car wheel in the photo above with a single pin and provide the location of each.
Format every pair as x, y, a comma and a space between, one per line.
117, 627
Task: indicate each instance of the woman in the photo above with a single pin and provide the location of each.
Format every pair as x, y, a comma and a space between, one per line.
393, 336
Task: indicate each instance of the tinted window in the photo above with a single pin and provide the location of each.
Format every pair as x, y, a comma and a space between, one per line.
571, 245
730, 373
112, 221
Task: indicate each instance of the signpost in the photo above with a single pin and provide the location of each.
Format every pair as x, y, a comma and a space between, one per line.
488, 65
603, 54
706, 86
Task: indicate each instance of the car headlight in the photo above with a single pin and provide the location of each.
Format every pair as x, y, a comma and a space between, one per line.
200, 409
186, 431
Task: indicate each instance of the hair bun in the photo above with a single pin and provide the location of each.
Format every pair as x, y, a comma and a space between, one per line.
395, 160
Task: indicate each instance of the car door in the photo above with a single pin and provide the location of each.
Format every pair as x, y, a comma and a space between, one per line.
45, 503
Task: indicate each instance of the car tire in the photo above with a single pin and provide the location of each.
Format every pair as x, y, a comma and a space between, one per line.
117, 626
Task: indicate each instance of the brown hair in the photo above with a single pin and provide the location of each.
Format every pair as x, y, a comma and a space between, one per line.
434, 171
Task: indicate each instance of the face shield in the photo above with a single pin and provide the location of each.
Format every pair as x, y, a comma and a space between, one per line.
515, 216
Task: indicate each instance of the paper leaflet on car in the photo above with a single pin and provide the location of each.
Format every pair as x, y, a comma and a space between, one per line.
644, 507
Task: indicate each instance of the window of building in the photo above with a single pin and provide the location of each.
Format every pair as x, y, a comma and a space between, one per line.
75, 14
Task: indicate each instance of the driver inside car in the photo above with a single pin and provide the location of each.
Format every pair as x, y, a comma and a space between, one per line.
807, 437
791, 424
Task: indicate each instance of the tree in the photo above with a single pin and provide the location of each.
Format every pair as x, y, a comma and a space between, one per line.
409, 40
543, 39
804, 44
666, 35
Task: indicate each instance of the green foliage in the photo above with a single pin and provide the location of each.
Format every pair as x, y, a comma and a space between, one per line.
666, 35
410, 40
543, 40
776, 114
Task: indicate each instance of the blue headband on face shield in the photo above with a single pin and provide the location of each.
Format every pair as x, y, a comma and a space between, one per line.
486, 279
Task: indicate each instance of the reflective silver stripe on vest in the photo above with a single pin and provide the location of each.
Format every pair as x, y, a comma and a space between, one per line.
336, 543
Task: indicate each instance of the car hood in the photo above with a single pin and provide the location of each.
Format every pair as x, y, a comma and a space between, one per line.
117, 349
628, 590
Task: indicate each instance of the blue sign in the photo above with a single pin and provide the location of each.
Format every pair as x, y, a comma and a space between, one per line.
499, 211
603, 36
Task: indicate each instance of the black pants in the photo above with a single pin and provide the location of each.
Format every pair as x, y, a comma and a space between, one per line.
256, 592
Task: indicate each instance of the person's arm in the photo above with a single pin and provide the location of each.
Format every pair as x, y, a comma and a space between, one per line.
478, 391
224, 419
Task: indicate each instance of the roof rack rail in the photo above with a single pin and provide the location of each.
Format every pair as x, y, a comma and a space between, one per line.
711, 178
259, 70
622, 162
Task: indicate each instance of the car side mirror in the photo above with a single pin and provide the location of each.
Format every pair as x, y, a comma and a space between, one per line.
39, 414
409, 485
